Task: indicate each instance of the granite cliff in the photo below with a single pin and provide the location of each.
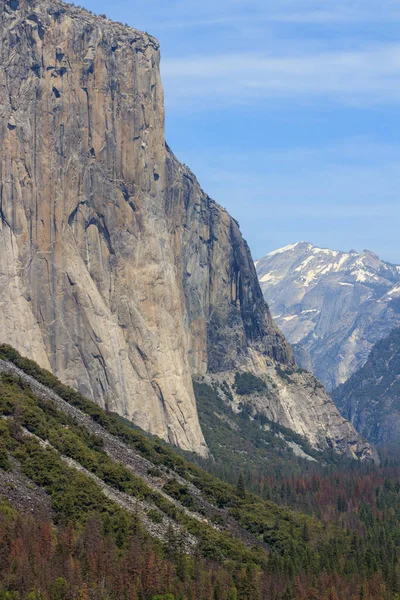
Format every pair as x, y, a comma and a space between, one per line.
118, 273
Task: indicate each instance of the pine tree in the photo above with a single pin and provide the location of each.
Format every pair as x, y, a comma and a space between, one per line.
305, 532
241, 487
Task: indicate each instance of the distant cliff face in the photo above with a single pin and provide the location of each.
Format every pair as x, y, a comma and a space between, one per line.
332, 306
371, 397
224, 306
118, 273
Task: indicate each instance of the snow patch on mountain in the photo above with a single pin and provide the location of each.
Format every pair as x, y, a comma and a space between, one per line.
334, 305
285, 249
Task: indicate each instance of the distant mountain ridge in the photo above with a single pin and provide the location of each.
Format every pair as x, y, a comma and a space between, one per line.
332, 306
370, 399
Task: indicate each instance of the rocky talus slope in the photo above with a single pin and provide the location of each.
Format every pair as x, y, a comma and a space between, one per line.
118, 273
140, 475
332, 306
371, 397
120, 453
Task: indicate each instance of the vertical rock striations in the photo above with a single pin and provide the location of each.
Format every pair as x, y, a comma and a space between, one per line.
225, 310
117, 272
89, 284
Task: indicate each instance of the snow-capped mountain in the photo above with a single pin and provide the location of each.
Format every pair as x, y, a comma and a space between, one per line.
332, 306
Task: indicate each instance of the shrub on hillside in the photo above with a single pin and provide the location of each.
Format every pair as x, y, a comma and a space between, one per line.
247, 383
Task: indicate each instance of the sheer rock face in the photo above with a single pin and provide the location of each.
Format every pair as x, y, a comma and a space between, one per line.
89, 282
225, 310
117, 272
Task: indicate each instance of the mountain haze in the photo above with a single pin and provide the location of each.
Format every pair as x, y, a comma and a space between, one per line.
332, 306
370, 399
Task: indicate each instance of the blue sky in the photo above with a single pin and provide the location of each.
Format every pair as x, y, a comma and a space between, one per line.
287, 111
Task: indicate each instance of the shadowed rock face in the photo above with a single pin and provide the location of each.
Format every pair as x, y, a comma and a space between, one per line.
117, 272
371, 397
225, 309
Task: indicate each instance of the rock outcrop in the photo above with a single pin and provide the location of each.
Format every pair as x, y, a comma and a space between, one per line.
118, 272
332, 306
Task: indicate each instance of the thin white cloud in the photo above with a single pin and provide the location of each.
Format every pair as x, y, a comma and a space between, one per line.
208, 13
364, 77
316, 17
339, 180
362, 149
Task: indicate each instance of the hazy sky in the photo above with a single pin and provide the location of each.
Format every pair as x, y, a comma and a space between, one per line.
287, 111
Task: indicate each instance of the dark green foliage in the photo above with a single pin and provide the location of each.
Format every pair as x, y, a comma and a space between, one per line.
59, 589
155, 472
74, 496
8, 595
4, 460
181, 493
247, 383
155, 516
227, 390
70, 439
246, 443
241, 488
4, 441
